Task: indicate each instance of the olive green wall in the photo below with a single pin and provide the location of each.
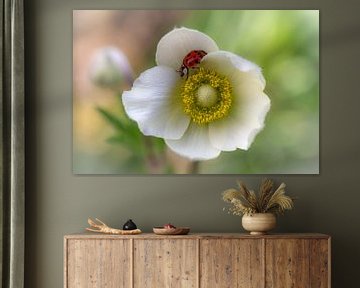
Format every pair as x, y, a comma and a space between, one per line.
59, 203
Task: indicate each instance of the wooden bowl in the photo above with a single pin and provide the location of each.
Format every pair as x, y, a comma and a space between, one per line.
171, 231
259, 223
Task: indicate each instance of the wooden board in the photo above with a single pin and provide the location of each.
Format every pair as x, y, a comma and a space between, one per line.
89, 235
98, 264
165, 263
231, 263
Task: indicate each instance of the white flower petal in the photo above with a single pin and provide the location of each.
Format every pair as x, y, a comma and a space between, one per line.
239, 129
250, 104
229, 64
152, 103
195, 144
175, 45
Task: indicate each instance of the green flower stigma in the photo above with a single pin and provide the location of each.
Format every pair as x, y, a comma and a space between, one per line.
206, 96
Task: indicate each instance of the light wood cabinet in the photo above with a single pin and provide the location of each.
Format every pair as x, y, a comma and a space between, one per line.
197, 260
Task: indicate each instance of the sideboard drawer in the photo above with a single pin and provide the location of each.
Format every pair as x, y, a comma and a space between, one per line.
165, 263
98, 263
297, 263
231, 263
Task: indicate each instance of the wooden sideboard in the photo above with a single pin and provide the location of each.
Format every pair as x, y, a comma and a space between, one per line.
197, 260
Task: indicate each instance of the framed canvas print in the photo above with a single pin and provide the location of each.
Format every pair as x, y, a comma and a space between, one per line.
196, 91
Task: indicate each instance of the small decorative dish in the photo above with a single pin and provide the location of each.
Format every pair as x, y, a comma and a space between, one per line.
171, 231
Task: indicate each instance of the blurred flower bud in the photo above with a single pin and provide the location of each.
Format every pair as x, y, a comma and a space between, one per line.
110, 68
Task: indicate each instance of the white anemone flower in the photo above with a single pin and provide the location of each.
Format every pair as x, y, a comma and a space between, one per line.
220, 105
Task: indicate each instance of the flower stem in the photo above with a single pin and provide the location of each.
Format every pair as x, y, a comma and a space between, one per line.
153, 161
194, 169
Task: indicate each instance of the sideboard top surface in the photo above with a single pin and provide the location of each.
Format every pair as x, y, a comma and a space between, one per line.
199, 236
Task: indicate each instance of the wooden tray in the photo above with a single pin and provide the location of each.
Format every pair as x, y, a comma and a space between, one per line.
171, 231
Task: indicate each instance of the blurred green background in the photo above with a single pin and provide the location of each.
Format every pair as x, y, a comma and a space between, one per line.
284, 43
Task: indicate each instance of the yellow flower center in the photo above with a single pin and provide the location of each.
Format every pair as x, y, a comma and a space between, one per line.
206, 96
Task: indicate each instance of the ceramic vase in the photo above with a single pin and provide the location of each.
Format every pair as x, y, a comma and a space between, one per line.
259, 223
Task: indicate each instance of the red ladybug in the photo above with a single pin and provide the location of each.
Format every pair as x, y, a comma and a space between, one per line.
191, 60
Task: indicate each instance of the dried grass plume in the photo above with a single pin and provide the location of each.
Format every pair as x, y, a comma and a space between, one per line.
267, 200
